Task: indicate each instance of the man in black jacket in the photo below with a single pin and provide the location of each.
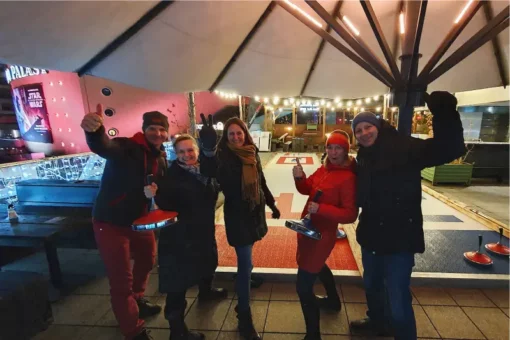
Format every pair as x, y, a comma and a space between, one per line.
390, 228
120, 201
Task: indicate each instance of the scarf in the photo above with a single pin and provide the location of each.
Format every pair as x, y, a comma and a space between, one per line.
250, 176
194, 170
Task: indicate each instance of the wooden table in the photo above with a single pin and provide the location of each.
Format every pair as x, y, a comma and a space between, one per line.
41, 231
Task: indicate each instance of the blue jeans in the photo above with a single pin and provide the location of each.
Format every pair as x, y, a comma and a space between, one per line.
243, 281
387, 280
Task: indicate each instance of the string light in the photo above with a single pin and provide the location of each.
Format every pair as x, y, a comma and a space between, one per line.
286, 102
257, 98
378, 109
351, 26
463, 11
401, 21
368, 100
306, 15
358, 102
376, 98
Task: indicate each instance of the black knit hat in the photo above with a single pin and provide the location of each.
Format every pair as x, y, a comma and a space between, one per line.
154, 118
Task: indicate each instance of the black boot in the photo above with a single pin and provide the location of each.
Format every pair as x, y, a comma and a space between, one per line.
178, 328
366, 325
331, 301
327, 303
143, 335
245, 325
147, 309
311, 313
207, 294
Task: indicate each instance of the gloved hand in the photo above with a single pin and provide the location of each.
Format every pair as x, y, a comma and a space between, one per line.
207, 134
441, 101
276, 213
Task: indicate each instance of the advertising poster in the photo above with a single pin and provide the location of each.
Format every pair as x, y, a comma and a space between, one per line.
32, 114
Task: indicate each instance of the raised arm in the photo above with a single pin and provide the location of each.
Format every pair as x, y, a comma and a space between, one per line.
96, 137
448, 141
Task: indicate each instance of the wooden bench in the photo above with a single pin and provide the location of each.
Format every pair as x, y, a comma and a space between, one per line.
36, 231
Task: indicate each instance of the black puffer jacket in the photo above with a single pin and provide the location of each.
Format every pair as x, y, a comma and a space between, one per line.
243, 225
187, 250
121, 200
389, 183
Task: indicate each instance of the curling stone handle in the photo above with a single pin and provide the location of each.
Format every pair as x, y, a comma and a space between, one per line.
150, 179
480, 240
317, 195
500, 234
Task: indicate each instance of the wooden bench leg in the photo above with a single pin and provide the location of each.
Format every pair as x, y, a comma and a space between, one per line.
53, 264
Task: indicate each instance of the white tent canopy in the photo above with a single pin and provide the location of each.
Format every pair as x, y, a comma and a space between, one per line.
187, 45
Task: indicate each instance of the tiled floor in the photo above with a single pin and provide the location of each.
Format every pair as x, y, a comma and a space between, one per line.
440, 314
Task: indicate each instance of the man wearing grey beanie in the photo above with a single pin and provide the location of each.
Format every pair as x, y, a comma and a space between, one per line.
390, 228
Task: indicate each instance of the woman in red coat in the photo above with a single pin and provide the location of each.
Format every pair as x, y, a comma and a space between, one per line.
337, 181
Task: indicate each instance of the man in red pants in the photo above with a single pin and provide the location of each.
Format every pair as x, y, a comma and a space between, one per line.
120, 201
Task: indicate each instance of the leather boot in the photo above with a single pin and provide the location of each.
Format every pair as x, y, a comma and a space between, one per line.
245, 325
178, 328
143, 335
147, 309
311, 313
328, 303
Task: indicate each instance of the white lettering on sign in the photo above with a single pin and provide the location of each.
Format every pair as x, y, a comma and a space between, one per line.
13, 72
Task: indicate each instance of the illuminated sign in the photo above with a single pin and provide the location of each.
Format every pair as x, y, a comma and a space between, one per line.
17, 72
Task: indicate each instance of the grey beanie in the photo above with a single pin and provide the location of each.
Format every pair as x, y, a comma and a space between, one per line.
368, 117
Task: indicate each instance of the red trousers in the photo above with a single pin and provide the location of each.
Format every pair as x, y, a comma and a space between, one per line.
116, 244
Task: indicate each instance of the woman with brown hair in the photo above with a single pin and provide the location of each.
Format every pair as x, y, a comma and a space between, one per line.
242, 181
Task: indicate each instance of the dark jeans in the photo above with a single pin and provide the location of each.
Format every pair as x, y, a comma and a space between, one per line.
387, 280
243, 280
176, 300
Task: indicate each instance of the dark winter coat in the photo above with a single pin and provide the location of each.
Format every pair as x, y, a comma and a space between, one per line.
389, 183
337, 204
243, 225
121, 200
187, 251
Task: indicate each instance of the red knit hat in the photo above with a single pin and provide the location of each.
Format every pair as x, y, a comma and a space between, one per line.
339, 137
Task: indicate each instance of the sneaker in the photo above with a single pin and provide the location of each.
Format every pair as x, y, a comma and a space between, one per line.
147, 309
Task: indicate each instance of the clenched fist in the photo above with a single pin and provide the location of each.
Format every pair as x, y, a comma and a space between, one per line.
313, 207
93, 120
297, 170
150, 190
